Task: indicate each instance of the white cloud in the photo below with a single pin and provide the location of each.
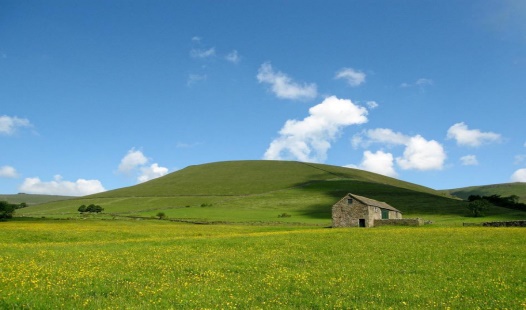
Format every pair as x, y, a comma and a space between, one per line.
233, 57
136, 162
421, 82
81, 187
469, 160
372, 104
8, 172
379, 135
9, 125
151, 172
471, 137
519, 159
421, 154
203, 53
354, 78
132, 160
194, 78
283, 86
379, 162
519, 175
309, 139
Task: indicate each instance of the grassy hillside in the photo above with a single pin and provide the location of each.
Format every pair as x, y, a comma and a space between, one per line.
252, 191
506, 189
31, 199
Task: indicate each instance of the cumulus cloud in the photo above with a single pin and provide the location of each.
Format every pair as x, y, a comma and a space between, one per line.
132, 160
136, 162
469, 160
309, 139
151, 172
8, 172
283, 86
233, 57
353, 77
379, 162
471, 137
419, 153
9, 124
57, 186
519, 175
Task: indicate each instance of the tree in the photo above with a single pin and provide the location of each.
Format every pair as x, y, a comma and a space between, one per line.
6, 210
161, 215
91, 208
477, 207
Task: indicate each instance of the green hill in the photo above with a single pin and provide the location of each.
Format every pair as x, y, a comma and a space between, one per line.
261, 191
31, 199
504, 190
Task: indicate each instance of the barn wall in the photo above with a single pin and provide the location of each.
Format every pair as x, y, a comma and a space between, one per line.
348, 215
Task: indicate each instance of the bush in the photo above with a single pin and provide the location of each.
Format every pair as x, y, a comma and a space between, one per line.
7, 210
161, 215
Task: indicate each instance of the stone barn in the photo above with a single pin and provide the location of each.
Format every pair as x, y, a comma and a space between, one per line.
357, 211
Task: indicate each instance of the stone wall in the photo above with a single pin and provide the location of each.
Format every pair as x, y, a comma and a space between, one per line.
399, 222
505, 224
348, 215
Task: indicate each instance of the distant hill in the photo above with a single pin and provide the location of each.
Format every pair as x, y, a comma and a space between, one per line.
31, 199
505, 189
259, 191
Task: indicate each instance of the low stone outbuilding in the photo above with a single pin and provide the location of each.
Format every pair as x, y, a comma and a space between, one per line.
357, 211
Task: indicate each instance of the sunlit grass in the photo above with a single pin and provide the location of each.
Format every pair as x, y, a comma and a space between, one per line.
157, 264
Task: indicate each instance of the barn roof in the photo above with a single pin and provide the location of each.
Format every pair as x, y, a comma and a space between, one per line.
374, 203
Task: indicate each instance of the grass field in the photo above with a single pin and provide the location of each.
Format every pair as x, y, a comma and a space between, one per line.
105, 264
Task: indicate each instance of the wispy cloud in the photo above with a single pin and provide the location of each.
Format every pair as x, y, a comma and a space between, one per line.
58, 186
283, 86
233, 57
351, 76
421, 83
203, 53
469, 160
372, 104
8, 172
195, 78
471, 137
309, 139
10, 124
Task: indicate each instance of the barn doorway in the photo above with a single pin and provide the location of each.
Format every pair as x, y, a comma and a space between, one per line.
361, 222
385, 214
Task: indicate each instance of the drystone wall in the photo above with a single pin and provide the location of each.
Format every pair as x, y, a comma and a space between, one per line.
399, 222
505, 224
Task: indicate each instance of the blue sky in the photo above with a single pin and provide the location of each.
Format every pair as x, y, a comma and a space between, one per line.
98, 95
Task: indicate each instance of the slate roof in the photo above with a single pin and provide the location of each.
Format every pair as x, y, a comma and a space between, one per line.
374, 203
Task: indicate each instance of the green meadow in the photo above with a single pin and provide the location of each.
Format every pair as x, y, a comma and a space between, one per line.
152, 264
225, 244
